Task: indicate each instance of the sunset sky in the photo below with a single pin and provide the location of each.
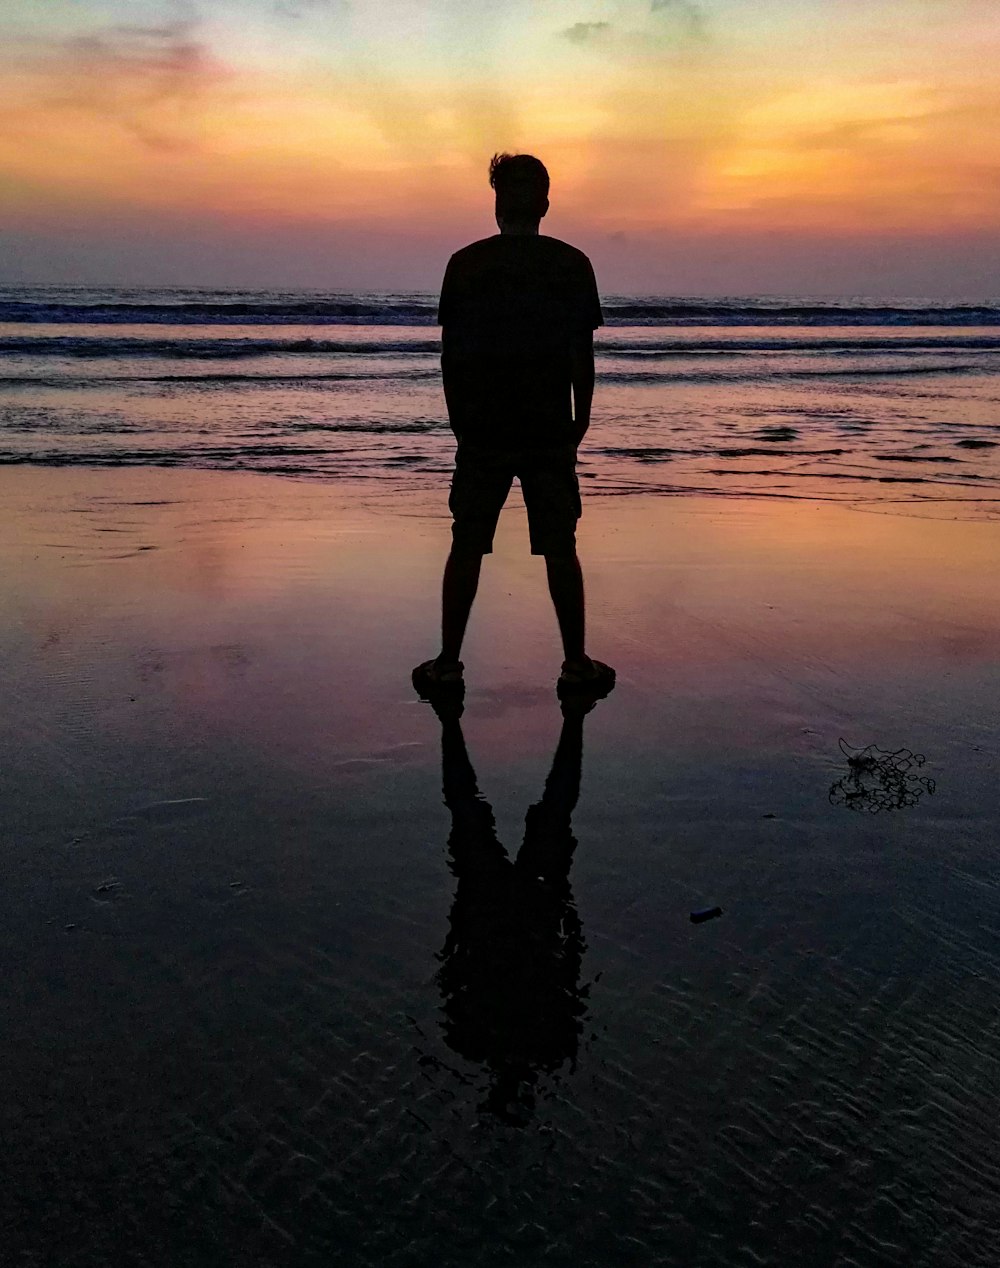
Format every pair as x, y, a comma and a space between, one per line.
695, 146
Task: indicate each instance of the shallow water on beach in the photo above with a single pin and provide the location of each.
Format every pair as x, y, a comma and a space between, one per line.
266, 995
879, 405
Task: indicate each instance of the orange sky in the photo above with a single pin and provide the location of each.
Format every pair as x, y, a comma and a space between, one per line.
779, 145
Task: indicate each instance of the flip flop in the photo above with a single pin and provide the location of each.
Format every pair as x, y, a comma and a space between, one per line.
595, 680
437, 677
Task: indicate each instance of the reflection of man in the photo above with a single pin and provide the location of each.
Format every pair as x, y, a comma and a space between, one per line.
518, 312
510, 973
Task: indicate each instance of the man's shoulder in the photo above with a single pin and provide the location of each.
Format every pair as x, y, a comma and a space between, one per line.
474, 251
496, 245
565, 251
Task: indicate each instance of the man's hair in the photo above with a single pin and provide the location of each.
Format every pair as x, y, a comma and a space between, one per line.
521, 183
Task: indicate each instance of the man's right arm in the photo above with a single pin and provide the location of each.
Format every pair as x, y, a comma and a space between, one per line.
449, 375
449, 380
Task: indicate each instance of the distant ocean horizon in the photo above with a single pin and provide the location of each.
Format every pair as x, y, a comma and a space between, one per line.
864, 399
179, 305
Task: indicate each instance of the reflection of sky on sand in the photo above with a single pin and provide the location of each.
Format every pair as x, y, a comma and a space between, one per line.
227, 881
801, 577
275, 606
189, 618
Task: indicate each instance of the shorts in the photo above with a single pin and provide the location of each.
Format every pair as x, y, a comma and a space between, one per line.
549, 485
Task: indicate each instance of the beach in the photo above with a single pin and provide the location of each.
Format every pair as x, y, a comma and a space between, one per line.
233, 891
373, 899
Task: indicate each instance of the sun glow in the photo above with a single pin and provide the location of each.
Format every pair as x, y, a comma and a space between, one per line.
682, 119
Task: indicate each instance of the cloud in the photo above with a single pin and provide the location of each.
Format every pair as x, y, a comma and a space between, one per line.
668, 27
422, 117
689, 17
146, 79
581, 32
296, 10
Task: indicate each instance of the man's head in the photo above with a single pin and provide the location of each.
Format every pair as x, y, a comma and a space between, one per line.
522, 189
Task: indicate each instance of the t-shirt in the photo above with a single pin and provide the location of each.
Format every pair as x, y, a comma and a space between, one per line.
511, 308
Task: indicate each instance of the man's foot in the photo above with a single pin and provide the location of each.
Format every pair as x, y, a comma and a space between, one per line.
436, 678
591, 679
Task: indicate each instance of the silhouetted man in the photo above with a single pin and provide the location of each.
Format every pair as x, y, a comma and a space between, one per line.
518, 313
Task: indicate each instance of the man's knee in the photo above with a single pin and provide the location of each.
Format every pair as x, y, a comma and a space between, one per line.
466, 553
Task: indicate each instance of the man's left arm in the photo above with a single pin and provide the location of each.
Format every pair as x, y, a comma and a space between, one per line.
581, 360
588, 307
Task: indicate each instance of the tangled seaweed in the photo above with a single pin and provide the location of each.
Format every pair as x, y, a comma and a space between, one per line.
879, 779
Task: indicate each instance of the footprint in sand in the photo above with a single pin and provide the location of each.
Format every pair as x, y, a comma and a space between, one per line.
106, 891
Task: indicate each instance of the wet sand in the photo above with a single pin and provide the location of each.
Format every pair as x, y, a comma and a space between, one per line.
269, 1000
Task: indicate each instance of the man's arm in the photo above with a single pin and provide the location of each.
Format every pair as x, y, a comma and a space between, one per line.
449, 374
582, 376
449, 380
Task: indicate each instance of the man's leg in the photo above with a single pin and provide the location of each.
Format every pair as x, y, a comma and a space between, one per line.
566, 588
458, 590
479, 488
579, 672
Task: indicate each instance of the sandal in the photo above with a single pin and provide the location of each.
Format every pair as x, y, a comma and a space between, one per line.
436, 676
595, 679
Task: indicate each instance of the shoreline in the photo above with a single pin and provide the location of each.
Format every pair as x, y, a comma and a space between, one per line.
375, 490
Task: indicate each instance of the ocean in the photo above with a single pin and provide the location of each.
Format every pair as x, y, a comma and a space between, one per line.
863, 401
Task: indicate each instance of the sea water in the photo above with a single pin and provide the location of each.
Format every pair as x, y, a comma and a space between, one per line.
864, 400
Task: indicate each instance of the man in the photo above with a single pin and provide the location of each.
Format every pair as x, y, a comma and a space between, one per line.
518, 312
